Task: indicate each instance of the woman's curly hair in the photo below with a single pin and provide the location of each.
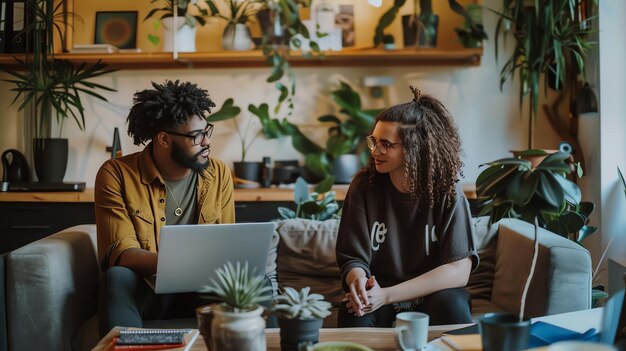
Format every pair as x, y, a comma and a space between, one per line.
165, 107
432, 148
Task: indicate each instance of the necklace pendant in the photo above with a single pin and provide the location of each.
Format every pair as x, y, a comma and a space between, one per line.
178, 211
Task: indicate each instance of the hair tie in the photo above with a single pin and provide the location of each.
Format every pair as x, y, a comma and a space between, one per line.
416, 93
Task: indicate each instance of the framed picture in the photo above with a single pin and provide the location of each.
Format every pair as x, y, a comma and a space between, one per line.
345, 20
117, 28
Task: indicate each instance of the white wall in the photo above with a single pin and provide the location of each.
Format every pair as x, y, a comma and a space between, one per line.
612, 144
490, 122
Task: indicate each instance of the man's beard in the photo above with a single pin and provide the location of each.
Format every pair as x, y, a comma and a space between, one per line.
179, 156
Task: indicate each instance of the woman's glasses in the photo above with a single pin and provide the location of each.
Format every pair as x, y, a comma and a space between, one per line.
383, 145
198, 138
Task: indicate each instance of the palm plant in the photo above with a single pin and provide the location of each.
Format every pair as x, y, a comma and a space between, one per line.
549, 39
166, 8
240, 11
49, 85
180, 8
237, 288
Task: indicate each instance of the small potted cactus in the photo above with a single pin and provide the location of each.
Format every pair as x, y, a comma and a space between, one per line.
300, 316
236, 322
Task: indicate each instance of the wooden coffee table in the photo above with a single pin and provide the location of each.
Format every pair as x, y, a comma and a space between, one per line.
379, 339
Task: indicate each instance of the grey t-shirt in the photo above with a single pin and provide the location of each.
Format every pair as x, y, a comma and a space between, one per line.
387, 234
185, 192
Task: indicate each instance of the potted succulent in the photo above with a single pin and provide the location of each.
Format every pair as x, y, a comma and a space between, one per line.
236, 321
52, 88
178, 22
300, 316
236, 34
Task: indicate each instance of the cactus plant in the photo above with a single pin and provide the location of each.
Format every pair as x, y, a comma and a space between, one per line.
292, 304
238, 289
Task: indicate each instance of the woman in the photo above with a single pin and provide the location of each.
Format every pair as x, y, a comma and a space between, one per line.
405, 238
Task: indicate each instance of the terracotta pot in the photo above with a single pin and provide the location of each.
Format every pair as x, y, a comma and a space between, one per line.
204, 315
535, 160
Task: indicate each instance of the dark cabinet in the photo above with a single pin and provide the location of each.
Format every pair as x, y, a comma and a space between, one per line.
24, 222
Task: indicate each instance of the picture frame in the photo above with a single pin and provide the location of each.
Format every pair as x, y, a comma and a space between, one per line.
117, 28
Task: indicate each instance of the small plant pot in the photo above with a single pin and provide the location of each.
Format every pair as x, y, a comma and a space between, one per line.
248, 170
50, 157
204, 316
294, 332
237, 331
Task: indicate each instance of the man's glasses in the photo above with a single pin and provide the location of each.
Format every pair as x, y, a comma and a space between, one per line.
383, 145
198, 138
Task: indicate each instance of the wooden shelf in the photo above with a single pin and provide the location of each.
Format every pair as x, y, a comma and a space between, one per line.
259, 194
230, 59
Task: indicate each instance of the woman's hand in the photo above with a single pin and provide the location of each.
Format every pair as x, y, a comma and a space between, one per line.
376, 298
357, 297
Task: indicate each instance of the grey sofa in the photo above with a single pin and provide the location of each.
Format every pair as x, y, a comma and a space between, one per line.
51, 284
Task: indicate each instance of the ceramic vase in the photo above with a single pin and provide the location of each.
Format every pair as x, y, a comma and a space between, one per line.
238, 331
179, 34
50, 158
236, 37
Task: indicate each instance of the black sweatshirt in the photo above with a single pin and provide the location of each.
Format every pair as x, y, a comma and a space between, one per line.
385, 233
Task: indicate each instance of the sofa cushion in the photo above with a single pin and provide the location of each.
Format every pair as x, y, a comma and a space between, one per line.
485, 242
306, 257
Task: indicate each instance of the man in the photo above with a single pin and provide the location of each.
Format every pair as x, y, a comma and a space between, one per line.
172, 181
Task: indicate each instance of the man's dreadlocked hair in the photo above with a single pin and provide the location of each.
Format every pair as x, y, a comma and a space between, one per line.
165, 107
432, 156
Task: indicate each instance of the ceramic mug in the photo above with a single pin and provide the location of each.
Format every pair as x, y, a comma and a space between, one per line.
411, 330
503, 331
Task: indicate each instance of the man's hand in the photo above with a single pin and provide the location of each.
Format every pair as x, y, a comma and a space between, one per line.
139, 260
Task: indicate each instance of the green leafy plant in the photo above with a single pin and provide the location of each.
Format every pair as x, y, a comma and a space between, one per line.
310, 205
510, 187
277, 42
388, 39
166, 9
237, 288
345, 135
239, 11
52, 87
385, 20
301, 305
549, 40
472, 33
230, 111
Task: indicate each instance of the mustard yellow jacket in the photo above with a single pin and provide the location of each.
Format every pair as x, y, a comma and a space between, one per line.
130, 203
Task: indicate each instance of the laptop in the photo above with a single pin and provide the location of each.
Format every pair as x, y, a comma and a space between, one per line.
190, 254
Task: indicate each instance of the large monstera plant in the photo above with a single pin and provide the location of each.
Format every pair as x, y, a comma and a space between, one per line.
511, 188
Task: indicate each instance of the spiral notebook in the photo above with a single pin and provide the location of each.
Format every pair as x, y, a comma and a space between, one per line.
155, 339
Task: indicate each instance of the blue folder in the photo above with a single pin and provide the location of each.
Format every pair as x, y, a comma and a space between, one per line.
542, 334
